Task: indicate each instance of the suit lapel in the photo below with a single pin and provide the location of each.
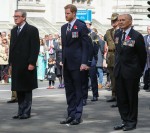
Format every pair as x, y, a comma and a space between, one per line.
130, 33
22, 32
64, 31
19, 37
69, 35
119, 45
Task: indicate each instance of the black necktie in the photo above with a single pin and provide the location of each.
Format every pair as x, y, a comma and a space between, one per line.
18, 31
123, 36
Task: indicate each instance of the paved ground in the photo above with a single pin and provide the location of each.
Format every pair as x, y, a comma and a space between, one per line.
49, 107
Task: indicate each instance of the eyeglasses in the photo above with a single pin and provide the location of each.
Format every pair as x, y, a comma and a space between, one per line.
17, 16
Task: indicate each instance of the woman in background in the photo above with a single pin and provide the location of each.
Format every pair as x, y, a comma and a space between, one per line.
4, 50
59, 71
41, 61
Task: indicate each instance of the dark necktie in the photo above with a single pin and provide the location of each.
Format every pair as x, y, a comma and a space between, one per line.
69, 27
18, 31
123, 36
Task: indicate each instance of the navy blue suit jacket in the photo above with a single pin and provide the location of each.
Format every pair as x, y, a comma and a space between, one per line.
75, 48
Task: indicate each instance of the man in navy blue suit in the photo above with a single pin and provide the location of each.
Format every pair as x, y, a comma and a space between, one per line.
75, 48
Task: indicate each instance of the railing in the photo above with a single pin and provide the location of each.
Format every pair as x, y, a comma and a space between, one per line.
29, 1
43, 25
101, 28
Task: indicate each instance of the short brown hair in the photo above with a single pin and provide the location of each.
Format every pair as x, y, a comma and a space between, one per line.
72, 7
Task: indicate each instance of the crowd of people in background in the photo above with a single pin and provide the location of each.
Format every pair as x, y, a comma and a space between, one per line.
4, 55
51, 48
49, 64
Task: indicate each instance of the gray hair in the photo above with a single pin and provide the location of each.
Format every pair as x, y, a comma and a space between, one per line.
129, 17
24, 14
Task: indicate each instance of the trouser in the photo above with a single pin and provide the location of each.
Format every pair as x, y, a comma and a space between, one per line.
127, 99
147, 79
14, 95
85, 81
51, 82
74, 93
112, 78
94, 83
24, 102
100, 75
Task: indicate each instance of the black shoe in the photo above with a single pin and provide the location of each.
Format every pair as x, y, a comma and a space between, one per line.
114, 106
113, 99
67, 121
16, 117
108, 89
94, 99
119, 127
145, 87
128, 128
75, 122
24, 116
12, 101
84, 102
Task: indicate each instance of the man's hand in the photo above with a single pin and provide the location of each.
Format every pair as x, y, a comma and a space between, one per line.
84, 67
30, 67
61, 64
87, 68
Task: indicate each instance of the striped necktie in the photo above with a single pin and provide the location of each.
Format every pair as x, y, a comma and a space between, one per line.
18, 31
69, 27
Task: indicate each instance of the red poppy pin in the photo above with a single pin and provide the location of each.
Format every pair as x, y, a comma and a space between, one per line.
128, 38
75, 27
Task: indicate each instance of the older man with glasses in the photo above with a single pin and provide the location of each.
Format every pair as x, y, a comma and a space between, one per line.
24, 50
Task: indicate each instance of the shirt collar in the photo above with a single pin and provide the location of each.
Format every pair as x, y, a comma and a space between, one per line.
72, 23
127, 31
21, 27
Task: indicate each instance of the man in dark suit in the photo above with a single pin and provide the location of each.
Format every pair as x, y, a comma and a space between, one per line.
74, 37
24, 50
147, 66
91, 74
129, 66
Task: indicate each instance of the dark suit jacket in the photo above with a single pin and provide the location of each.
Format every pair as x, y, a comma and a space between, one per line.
146, 45
130, 61
24, 50
75, 49
145, 40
